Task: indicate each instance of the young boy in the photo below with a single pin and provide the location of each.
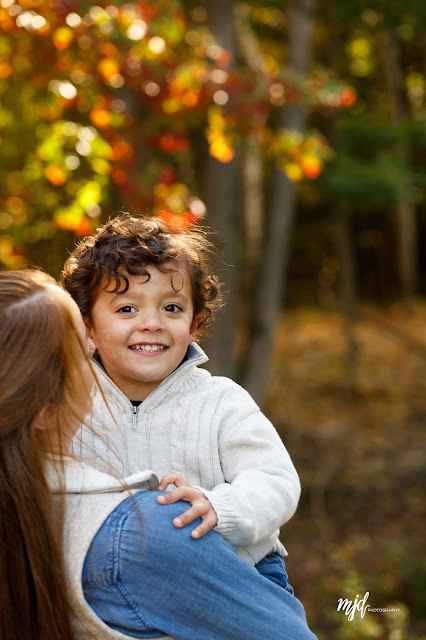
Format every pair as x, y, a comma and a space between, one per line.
144, 291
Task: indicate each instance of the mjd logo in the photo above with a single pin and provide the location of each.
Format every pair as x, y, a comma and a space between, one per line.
349, 608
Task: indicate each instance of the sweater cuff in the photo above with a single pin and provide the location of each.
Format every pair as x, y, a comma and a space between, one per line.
224, 509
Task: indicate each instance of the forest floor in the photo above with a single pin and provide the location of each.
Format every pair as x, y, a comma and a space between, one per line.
355, 434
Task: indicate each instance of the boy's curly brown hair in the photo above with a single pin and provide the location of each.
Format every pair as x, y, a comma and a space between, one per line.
130, 243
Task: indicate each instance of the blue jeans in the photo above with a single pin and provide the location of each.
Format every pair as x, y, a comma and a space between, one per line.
147, 579
273, 567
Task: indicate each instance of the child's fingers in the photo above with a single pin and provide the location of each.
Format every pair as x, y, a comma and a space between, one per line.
188, 494
199, 509
208, 523
175, 478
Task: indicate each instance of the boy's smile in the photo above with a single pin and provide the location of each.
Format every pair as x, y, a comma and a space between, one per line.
142, 334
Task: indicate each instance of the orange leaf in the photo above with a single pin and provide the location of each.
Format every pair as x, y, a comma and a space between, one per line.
55, 175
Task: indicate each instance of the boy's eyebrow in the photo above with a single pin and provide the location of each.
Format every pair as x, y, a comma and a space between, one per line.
167, 293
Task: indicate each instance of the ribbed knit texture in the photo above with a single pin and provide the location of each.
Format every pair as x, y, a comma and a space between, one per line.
211, 431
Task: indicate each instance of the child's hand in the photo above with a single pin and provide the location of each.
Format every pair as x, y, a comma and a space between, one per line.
201, 507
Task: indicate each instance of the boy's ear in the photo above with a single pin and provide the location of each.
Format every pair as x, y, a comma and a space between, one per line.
90, 335
195, 324
89, 327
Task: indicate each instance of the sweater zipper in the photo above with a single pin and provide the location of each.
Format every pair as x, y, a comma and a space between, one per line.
135, 417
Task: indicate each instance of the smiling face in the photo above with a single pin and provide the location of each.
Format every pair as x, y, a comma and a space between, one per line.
142, 334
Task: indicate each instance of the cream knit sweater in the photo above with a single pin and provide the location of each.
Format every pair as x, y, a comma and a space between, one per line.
211, 431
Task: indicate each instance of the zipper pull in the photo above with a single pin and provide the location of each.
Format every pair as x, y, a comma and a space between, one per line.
135, 417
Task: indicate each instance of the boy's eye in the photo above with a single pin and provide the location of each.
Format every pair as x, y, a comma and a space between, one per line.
128, 308
172, 308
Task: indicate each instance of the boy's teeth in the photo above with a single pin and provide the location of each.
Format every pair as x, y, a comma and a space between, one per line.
148, 347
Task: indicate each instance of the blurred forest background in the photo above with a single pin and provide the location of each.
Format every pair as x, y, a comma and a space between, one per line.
296, 130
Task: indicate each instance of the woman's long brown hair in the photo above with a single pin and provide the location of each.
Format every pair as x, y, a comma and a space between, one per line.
42, 366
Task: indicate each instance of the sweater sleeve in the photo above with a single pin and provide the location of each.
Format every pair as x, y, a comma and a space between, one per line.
261, 488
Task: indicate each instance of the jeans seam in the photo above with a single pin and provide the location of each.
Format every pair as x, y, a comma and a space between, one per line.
133, 607
107, 576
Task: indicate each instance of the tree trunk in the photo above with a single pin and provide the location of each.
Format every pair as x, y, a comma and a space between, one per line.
252, 157
405, 210
269, 286
221, 197
252, 161
253, 205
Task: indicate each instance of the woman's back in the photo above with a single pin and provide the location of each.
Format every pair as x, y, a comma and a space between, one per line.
42, 368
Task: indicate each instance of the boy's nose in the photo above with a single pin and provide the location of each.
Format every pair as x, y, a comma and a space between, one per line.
150, 320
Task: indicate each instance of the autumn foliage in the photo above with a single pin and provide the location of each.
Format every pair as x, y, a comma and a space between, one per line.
105, 105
